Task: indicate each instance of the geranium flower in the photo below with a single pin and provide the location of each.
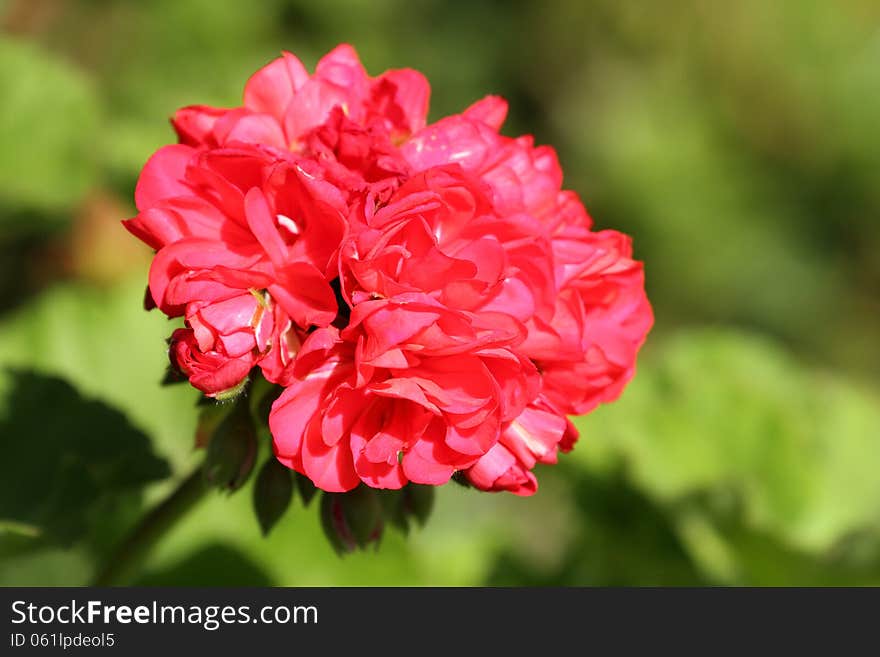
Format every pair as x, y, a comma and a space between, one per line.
430, 298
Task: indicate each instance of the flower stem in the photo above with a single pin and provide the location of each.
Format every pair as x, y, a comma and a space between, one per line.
124, 561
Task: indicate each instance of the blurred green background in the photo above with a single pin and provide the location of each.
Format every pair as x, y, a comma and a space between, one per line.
738, 142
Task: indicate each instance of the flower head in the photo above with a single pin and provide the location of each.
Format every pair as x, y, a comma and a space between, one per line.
430, 298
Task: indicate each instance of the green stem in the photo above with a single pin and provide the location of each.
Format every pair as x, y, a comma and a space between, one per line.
128, 556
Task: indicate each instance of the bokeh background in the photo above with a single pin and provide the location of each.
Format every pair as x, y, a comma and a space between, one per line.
738, 142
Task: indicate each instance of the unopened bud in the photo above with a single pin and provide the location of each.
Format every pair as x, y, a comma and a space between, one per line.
231, 451
261, 395
352, 520
306, 488
418, 501
211, 416
412, 501
273, 491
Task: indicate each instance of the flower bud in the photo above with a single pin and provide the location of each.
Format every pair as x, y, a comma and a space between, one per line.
352, 520
211, 416
231, 451
306, 488
273, 492
411, 501
418, 502
261, 395
213, 373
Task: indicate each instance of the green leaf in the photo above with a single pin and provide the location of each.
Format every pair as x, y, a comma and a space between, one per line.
86, 453
49, 122
273, 492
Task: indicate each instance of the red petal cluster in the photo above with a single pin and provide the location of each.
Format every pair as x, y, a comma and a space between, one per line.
430, 298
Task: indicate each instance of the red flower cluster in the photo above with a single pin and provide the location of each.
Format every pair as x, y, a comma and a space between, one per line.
428, 296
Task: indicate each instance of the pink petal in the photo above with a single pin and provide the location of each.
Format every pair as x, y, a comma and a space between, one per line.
271, 89
342, 68
420, 465
491, 110
451, 140
294, 408
264, 227
330, 468
410, 93
232, 314
251, 128
534, 435
305, 295
491, 466
194, 124
163, 176
346, 408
